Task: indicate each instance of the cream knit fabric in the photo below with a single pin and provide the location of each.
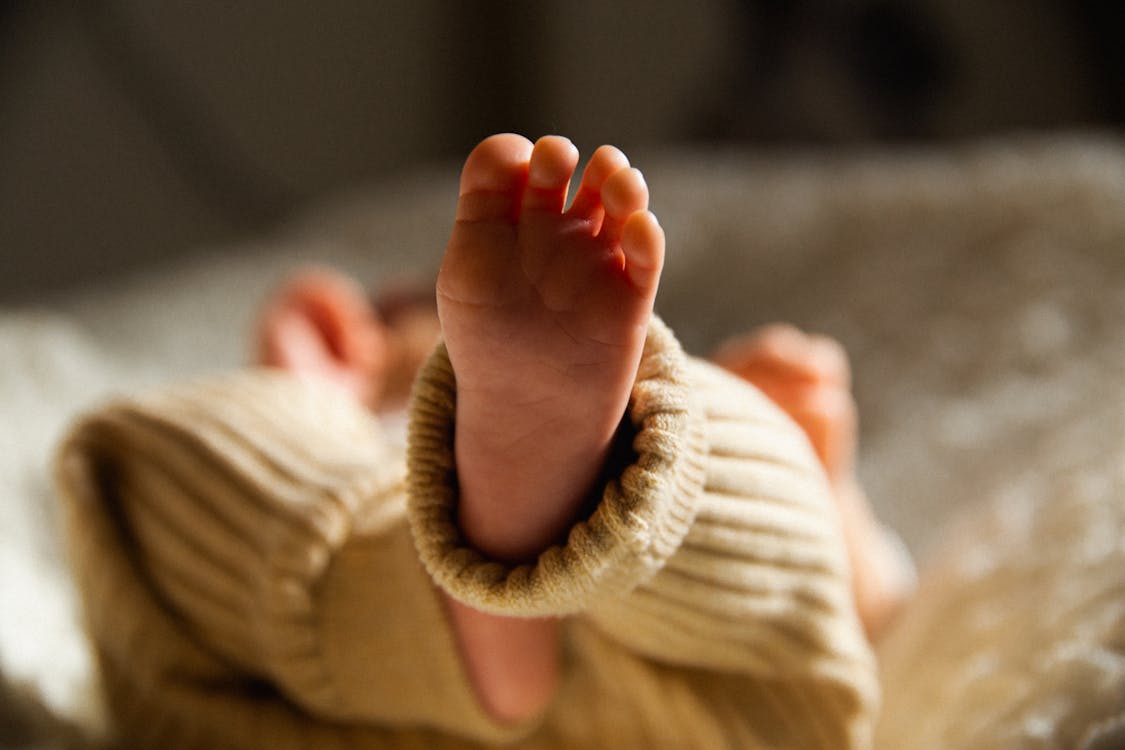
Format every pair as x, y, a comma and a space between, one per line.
250, 580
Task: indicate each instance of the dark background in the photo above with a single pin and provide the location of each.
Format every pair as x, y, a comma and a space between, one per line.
134, 130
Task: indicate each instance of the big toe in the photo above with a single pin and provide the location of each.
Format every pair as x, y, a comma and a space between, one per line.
493, 179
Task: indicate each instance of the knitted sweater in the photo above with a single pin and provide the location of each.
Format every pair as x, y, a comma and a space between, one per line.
254, 575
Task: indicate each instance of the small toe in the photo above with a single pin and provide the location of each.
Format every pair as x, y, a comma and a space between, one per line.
642, 242
623, 194
493, 179
553, 160
606, 161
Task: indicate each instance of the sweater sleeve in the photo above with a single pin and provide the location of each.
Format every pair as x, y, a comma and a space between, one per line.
760, 585
717, 547
240, 545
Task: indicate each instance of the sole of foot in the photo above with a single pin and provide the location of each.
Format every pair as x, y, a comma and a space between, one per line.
544, 310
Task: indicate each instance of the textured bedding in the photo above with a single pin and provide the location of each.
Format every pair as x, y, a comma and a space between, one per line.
980, 291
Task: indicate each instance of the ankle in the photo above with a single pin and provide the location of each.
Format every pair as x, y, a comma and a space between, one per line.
523, 488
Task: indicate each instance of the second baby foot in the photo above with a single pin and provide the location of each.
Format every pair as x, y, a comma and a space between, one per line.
544, 311
809, 378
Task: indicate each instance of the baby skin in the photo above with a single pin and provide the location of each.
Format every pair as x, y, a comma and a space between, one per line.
544, 310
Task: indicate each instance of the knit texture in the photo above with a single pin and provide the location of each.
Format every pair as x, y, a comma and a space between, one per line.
249, 578
244, 566
718, 550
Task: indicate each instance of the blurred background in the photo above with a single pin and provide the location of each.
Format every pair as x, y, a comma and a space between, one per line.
132, 131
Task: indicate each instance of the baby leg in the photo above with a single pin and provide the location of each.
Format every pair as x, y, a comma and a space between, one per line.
544, 312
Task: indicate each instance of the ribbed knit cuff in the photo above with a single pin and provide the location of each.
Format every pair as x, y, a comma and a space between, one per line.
644, 514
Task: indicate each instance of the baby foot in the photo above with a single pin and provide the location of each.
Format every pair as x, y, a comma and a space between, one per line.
319, 324
544, 312
809, 378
